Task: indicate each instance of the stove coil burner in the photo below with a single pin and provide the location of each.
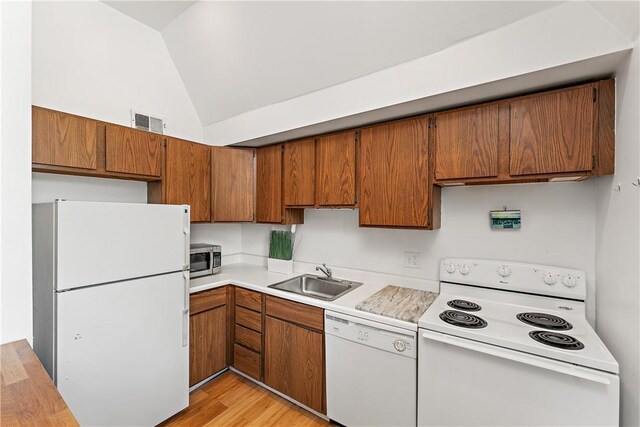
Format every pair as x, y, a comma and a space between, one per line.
544, 320
556, 339
461, 304
464, 320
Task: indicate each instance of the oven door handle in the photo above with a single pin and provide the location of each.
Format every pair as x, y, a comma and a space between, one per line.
513, 355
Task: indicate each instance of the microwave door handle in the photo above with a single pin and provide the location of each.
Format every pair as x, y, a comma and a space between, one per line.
515, 356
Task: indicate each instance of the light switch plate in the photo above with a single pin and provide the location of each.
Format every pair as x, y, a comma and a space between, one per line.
412, 259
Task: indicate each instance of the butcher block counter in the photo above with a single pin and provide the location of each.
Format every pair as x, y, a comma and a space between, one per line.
29, 397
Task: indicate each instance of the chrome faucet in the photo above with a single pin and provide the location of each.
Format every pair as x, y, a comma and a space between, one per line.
326, 270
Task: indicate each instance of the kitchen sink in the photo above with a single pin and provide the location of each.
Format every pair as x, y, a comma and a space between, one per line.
317, 287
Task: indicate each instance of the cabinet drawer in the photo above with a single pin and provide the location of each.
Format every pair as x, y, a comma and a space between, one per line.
246, 361
206, 300
249, 299
249, 338
249, 319
302, 314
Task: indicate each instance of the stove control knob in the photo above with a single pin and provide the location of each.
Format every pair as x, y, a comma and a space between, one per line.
569, 281
504, 271
464, 269
400, 345
450, 268
550, 279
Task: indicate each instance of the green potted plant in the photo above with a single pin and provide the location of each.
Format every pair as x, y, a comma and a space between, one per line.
280, 252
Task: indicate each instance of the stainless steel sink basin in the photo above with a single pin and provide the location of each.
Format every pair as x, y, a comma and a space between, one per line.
317, 287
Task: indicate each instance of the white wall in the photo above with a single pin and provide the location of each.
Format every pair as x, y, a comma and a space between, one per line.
47, 187
618, 243
15, 171
92, 60
557, 229
519, 49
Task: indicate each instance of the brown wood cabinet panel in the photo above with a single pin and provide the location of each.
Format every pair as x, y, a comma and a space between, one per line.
207, 344
247, 361
606, 150
302, 314
294, 362
466, 143
336, 170
299, 172
269, 184
62, 139
133, 151
248, 338
553, 132
394, 176
249, 299
249, 319
206, 300
233, 184
188, 177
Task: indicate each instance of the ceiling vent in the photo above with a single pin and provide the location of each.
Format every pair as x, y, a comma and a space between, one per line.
147, 122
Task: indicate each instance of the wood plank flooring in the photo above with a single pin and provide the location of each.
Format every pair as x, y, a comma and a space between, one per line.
231, 400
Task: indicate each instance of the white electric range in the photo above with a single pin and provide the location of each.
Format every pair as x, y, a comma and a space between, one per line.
508, 343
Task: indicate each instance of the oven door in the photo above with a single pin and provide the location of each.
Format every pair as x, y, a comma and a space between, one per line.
464, 382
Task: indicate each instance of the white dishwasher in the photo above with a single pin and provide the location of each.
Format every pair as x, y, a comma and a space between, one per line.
371, 372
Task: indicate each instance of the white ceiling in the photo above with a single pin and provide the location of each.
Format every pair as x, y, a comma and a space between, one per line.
239, 56
155, 14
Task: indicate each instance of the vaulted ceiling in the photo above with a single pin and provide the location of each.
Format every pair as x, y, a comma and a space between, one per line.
234, 57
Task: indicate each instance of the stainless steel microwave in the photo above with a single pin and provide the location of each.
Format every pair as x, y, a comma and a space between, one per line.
205, 259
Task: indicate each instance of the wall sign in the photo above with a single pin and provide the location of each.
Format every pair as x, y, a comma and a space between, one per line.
505, 220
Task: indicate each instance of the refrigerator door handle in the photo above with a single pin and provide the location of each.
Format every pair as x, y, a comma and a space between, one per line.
185, 328
186, 230
185, 277
185, 310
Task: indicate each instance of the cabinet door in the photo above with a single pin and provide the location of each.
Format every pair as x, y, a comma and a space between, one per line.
294, 360
466, 143
394, 174
133, 151
188, 177
269, 184
336, 170
233, 184
207, 344
299, 173
62, 139
553, 132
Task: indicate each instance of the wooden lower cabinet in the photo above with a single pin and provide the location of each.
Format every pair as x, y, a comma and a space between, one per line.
294, 362
207, 343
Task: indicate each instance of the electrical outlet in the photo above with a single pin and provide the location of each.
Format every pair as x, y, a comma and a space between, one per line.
412, 259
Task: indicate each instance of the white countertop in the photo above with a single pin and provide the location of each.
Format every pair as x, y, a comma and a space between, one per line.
257, 278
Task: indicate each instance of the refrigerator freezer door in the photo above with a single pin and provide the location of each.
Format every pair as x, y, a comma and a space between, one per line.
107, 242
120, 358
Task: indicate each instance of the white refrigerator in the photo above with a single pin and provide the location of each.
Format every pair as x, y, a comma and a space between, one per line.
111, 308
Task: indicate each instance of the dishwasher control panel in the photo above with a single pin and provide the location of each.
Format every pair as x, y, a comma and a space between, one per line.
373, 334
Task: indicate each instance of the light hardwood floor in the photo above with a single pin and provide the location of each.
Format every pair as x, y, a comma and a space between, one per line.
231, 400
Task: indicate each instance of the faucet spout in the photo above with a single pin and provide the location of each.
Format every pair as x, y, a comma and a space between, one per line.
326, 270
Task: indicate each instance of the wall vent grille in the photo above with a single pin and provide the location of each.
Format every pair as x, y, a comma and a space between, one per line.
147, 122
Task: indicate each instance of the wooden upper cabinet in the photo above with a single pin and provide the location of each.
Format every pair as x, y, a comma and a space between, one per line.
394, 175
133, 151
61, 139
466, 143
269, 184
299, 173
233, 176
188, 177
336, 170
553, 132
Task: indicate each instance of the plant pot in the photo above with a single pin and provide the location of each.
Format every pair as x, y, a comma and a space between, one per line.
280, 265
